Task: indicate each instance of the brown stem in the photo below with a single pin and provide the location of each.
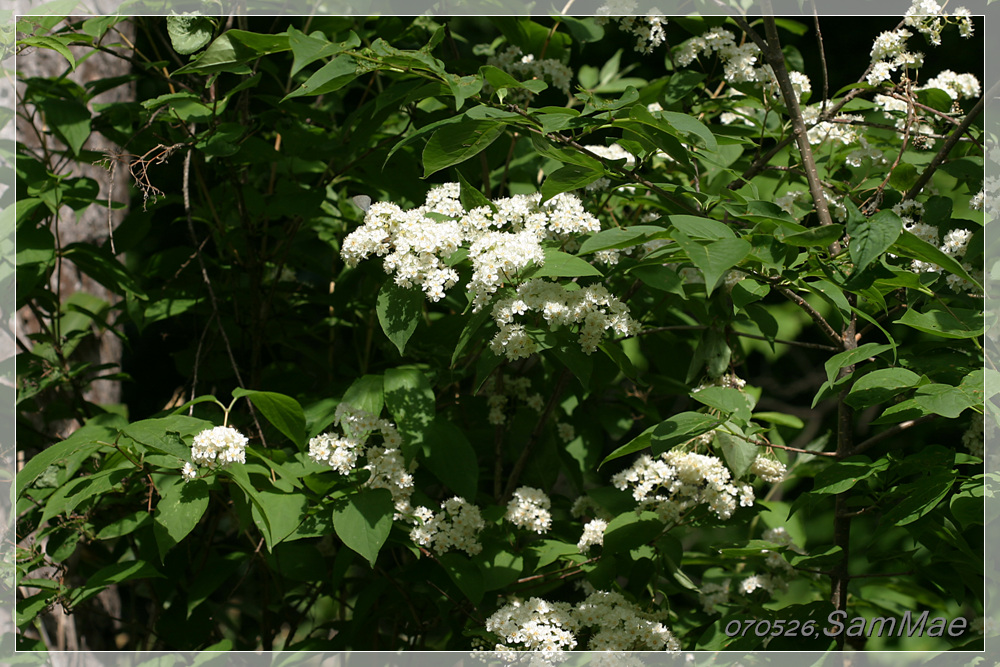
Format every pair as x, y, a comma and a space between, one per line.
949, 144
890, 432
522, 461
774, 56
840, 576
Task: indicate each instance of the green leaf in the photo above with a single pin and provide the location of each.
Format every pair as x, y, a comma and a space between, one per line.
659, 278
701, 228
410, 399
330, 77
747, 291
549, 551
239, 475
126, 525
843, 475
559, 264
621, 237
156, 433
449, 455
465, 574
918, 498
823, 235
737, 451
943, 399
284, 412
780, 419
189, 33
81, 441
470, 197
967, 505
636, 444
469, 331
112, 574
715, 258
28, 608
399, 310
870, 237
690, 129
70, 120
909, 245
463, 87
630, 530
728, 400
880, 386
178, 512
308, 49
284, 511
681, 428
365, 393
851, 357
499, 567
945, 322
457, 143
46, 42
570, 177
99, 264
364, 522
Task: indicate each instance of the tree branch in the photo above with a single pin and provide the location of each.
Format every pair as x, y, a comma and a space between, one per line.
949, 143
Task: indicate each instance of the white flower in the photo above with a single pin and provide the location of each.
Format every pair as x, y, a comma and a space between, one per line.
958, 86
769, 470
456, 526
220, 445
593, 533
529, 508
566, 431
678, 481
188, 472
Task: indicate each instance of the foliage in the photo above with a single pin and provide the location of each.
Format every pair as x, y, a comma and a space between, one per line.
622, 349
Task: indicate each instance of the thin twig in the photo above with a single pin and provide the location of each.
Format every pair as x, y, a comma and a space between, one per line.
949, 144
522, 461
890, 432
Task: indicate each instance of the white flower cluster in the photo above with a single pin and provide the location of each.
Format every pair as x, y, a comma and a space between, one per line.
955, 244
529, 508
503, 240
678, 481
585, 506
648, 30
615, 624
838, 129
537, 625
565, 431
769, 470
385, 463
456, 526
738, 61
593, 308
593, 533
866, 152
978, 200
889, 54
958, 86
512, 387
928, 18
973, 439
774, 579
221, 445
787, 201
525, 67
612, 152
712, 594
